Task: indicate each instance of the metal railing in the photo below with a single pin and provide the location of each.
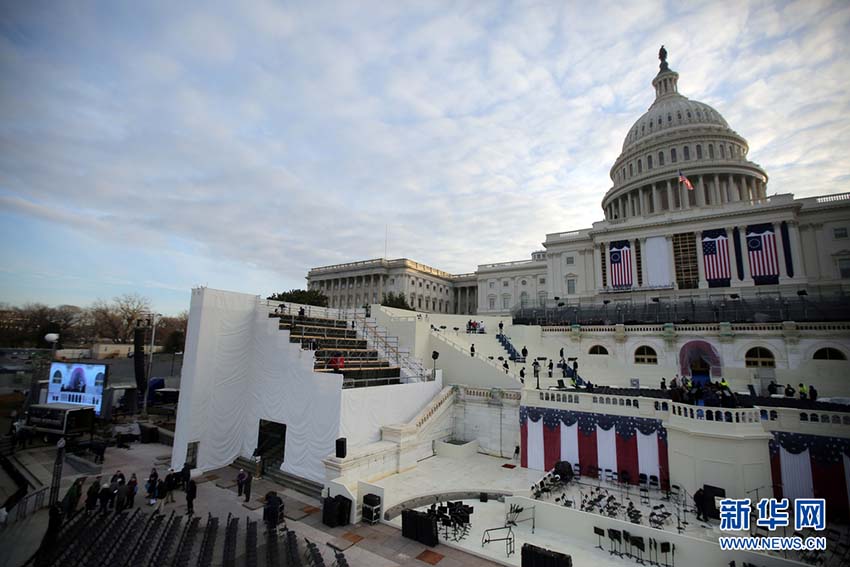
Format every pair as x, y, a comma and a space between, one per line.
28, 505
387, 346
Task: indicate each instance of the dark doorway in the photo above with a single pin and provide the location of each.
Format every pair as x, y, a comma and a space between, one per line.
271, 444
700, 371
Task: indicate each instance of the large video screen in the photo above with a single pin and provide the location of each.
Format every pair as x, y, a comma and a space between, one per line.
80, 384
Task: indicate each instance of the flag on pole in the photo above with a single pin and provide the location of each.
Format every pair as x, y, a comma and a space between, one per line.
684, 180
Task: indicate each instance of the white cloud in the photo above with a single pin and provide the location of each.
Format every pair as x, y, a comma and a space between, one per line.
271, 139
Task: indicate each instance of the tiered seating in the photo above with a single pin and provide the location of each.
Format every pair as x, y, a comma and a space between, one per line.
169, 535
187, 542
251, 558
331, 338
230, 531
208, 543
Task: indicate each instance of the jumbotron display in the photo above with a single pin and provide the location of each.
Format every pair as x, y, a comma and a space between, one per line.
80, 384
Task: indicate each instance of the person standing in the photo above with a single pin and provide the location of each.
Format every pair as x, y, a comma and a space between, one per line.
506, 367
72, 499
562, 353
524, 352
472, 350
191, 494
522, 374
247, 488
117, 477
122, 499
699, 503
240, 482
170, 483
185, 475
501, 327
813, 393
104, 497
536, 366
92, 494
663, 383
132, 489
152, 481
551, 367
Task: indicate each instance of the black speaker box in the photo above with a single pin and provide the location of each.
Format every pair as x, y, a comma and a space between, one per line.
372, 500
330, 512
426, 532
408, 524
709, 493
344, 511
341, 448
483, 497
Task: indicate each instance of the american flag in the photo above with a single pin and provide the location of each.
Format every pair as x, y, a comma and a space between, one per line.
684, 180
715, 255
621, 264
761, 248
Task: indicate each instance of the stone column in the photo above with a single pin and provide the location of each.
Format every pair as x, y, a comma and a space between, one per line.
632, 243
642, 195
718, 194
656, 200
598, 249
745, 257
670, 204
703, 283
672, 255
780, 252
733, 190
700, 188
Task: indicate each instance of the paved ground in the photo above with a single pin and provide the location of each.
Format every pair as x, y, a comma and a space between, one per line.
376, 546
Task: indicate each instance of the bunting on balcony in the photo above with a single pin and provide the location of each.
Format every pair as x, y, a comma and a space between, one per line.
627, 445
812, 466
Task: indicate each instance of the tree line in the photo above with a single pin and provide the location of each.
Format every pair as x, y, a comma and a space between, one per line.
319, 299
112, 321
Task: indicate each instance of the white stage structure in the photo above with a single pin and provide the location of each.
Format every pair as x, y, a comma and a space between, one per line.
240, 368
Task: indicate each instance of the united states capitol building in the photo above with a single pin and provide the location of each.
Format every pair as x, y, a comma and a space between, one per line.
659, 241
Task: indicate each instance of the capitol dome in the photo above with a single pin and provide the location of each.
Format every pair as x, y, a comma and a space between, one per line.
676, 135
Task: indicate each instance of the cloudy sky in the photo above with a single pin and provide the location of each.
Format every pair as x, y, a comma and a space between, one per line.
156, 146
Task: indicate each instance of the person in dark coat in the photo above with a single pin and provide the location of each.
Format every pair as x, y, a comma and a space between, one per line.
113, 492
152, 481
524, 352
104, 497
185, 475
92, 494
122, 496
132, 489
191, 494
118, 477
247, 488
170, 484
699, 503
160, 491
72, 499
240, 481
813, 393
272, 510
54, 524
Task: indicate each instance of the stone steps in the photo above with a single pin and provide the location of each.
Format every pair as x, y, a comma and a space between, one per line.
302, 485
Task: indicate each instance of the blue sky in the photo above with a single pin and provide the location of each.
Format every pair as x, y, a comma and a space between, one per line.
157, 146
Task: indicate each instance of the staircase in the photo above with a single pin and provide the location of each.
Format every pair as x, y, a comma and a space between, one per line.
333, 338
273, 473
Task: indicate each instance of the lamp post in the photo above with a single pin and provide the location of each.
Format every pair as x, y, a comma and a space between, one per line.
150, 364
434, 356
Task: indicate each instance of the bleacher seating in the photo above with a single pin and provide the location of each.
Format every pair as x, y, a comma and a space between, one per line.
134, 538
331, 338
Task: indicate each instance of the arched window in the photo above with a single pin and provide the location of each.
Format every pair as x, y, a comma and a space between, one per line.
598, 349
711, 151
829, 353
699, 151
631, 170
646, 355
722, 151
686, 153
672, 155
648, 162
759, 357
640, 166
660, 159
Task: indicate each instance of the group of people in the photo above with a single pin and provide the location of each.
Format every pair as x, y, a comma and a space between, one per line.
475, 327
710, 394
162, 489
805, 392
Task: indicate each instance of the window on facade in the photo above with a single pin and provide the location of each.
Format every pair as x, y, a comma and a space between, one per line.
631, 170
571, 286
839, 232
492, 285
640, 166
759, 357
648, 162
420, 303
392, 281
491, 301
571, 260
722, 151
505, 284
699, 151
686, 153
624, 173
506, 302
541, 299
844, 268
660, 159
523, 299
673, 155
646, 355
829, 353
598, 350
711, 151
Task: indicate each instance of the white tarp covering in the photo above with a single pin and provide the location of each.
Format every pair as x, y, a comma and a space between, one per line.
366, 410
239, 368
656, 256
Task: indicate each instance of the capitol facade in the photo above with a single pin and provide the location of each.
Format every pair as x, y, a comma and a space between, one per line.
688, 217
